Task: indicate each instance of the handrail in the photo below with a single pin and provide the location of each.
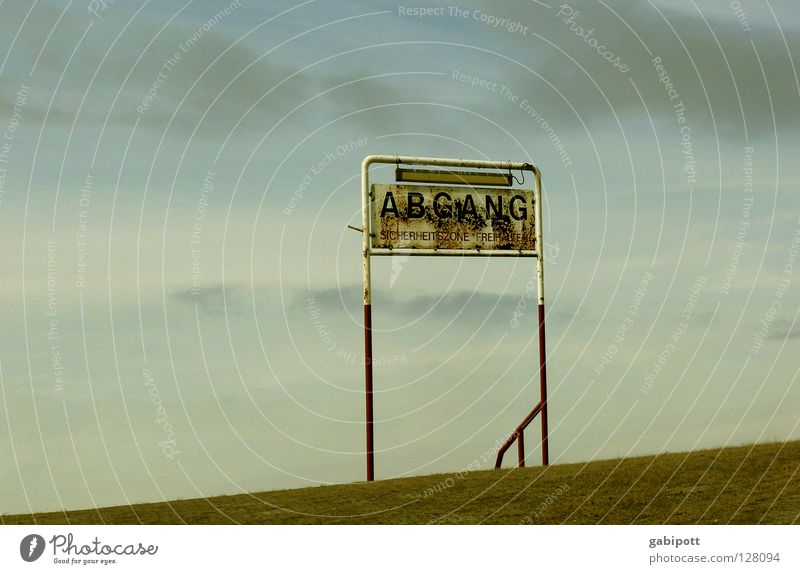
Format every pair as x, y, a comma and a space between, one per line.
518, 434
541, 407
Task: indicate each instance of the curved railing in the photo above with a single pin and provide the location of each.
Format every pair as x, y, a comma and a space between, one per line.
518, 435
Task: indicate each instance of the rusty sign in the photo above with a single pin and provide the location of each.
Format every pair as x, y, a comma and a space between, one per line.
427, 220
438, 220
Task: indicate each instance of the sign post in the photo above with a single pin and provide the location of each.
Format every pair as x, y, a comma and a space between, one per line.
465, 218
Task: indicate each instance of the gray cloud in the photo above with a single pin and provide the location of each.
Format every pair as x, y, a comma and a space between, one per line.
783, 329
216, 299
273, 396
465, 305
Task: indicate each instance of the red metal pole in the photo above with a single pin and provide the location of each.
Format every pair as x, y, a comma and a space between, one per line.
543, 387
368, 370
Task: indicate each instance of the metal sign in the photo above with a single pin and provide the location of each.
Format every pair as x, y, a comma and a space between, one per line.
435, 220
443, 220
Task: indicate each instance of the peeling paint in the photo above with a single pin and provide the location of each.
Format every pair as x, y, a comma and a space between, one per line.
442, 217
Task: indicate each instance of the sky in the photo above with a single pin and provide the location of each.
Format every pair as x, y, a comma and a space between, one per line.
182, 296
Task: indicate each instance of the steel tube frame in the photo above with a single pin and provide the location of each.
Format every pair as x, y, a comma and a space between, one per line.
367, 252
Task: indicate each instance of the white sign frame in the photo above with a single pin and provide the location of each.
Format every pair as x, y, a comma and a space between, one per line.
368, 251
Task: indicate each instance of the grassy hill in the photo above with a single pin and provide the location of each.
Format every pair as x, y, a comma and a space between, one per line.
748, 484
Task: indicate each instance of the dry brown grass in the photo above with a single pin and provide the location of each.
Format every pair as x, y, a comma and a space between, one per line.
748, 484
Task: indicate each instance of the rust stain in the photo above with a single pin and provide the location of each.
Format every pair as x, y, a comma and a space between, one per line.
464, 218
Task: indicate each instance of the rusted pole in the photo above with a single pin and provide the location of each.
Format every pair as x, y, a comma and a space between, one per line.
543, 387
365, 250
540, 289
368, 369
521, 448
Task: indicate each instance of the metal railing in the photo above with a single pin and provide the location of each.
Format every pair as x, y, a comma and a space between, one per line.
519, 436
540, 408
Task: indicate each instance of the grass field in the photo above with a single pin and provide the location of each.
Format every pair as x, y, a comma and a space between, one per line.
748, 484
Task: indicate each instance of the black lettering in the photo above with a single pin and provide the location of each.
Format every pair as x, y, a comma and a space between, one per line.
468, 208
522, 212
442, 211
494, 211
416, 209
389, 205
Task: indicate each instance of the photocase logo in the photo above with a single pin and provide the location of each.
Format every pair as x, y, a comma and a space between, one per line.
31, 547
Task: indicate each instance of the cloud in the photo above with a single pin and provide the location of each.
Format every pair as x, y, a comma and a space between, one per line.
783, 329
609, 224
215, 299
147, 81
565, 76
464, 304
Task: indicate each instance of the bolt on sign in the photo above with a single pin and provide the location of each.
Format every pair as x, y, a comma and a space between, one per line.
432, 218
